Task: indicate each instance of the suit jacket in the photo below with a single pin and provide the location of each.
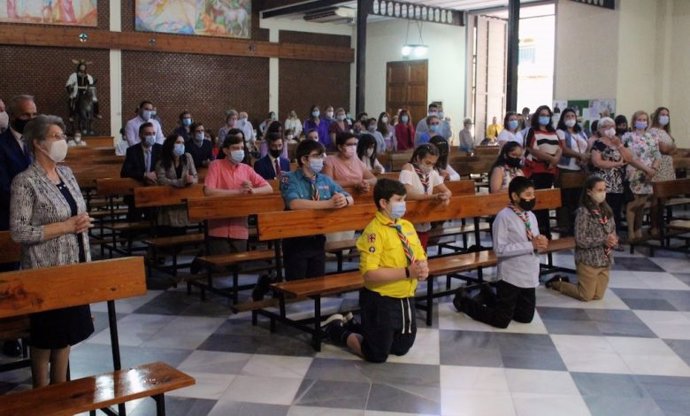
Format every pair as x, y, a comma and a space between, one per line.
135, 166
13, 161
265, 168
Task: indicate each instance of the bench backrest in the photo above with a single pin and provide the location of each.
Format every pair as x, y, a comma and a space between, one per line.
668, 189
573, 180
300, 223
38, 290
161, 196
116, 186
213, 208
87, 176
10, 251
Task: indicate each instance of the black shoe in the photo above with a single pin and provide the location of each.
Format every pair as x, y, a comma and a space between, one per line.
557, 278
351, 323
12, 348
263, 286
460, 296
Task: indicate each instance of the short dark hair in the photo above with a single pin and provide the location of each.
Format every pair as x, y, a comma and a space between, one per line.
143, 126
273, 136
385, 188
305, 147
233, 136
518, 185
342, 138
143, 103
182, 114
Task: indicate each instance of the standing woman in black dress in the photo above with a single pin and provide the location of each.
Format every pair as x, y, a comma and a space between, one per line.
48, 218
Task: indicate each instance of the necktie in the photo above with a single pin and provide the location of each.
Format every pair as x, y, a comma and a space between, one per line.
277, 167
409, 254
314, 190
525, 219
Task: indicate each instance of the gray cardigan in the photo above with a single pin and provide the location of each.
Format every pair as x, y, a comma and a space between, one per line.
36, 202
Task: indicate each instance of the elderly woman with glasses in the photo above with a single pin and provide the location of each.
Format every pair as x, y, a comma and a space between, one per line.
48, 218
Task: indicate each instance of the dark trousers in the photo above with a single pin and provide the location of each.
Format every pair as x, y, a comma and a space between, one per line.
304, 257
511, 303
388, 325
566, 214
543, 181
615, 201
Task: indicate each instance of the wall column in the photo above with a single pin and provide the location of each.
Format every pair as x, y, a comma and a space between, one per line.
274, 77
116, 121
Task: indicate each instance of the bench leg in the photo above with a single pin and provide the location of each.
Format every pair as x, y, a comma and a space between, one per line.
316, 338
160, 404
429, 301
235, 286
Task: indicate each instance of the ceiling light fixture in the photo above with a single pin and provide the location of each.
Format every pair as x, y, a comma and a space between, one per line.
416, 50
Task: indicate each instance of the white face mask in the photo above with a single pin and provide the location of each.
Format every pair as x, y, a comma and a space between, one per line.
370, 152
384, 119
570, 123
610, 132
329, 114
350, 150
57, 151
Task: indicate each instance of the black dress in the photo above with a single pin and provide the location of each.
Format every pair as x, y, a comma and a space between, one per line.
60, 328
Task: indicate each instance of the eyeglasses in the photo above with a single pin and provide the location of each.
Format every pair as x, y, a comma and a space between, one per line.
57, 136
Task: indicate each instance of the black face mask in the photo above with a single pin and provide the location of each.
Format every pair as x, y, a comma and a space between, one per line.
18, 125
526, 205
275, 153
620, 132
513, 162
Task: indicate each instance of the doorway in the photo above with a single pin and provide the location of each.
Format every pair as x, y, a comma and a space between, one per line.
406, 87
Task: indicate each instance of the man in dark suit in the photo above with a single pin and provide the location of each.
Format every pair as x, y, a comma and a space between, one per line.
272, 165
14, 159
140, 164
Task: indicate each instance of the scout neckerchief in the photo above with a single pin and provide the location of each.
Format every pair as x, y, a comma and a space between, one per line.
603, 220
314, 189
525, 219
409, 254
423, 178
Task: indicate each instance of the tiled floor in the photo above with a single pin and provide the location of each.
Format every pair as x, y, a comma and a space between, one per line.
628, 354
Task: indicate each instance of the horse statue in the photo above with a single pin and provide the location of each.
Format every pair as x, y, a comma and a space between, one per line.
84, 110
82, 100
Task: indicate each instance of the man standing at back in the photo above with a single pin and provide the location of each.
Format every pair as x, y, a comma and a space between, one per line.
14, 159
144, 115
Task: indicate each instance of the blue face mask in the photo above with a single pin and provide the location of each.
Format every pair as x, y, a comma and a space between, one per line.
664, 120
640, 125
397, 209
237, 156
150, 140
178, 149
513, 124
316, 113
186, 122
146, 114
544, 120
433, 128
316, 165
199, 137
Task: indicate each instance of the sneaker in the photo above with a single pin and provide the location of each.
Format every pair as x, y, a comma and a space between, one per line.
557, 278
334, 329
263, 285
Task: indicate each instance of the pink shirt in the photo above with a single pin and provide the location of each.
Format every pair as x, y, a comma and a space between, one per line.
223, 174
346, 170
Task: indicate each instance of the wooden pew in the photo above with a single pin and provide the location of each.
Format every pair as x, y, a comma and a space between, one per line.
16, 327
215, 208
669, 194
110, 188
287, 224
167, 196
38, 290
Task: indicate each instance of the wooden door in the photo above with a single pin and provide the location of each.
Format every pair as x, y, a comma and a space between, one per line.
407, 87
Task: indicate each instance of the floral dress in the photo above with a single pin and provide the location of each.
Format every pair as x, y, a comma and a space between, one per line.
645, 148
666, 171
612, 176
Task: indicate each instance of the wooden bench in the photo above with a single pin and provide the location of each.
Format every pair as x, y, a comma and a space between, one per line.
110, 188
39, 290
286, 224
168, 196
215, 208
670, 227
16, 327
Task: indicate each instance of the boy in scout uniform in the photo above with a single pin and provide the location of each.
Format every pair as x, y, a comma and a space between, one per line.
392, 261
